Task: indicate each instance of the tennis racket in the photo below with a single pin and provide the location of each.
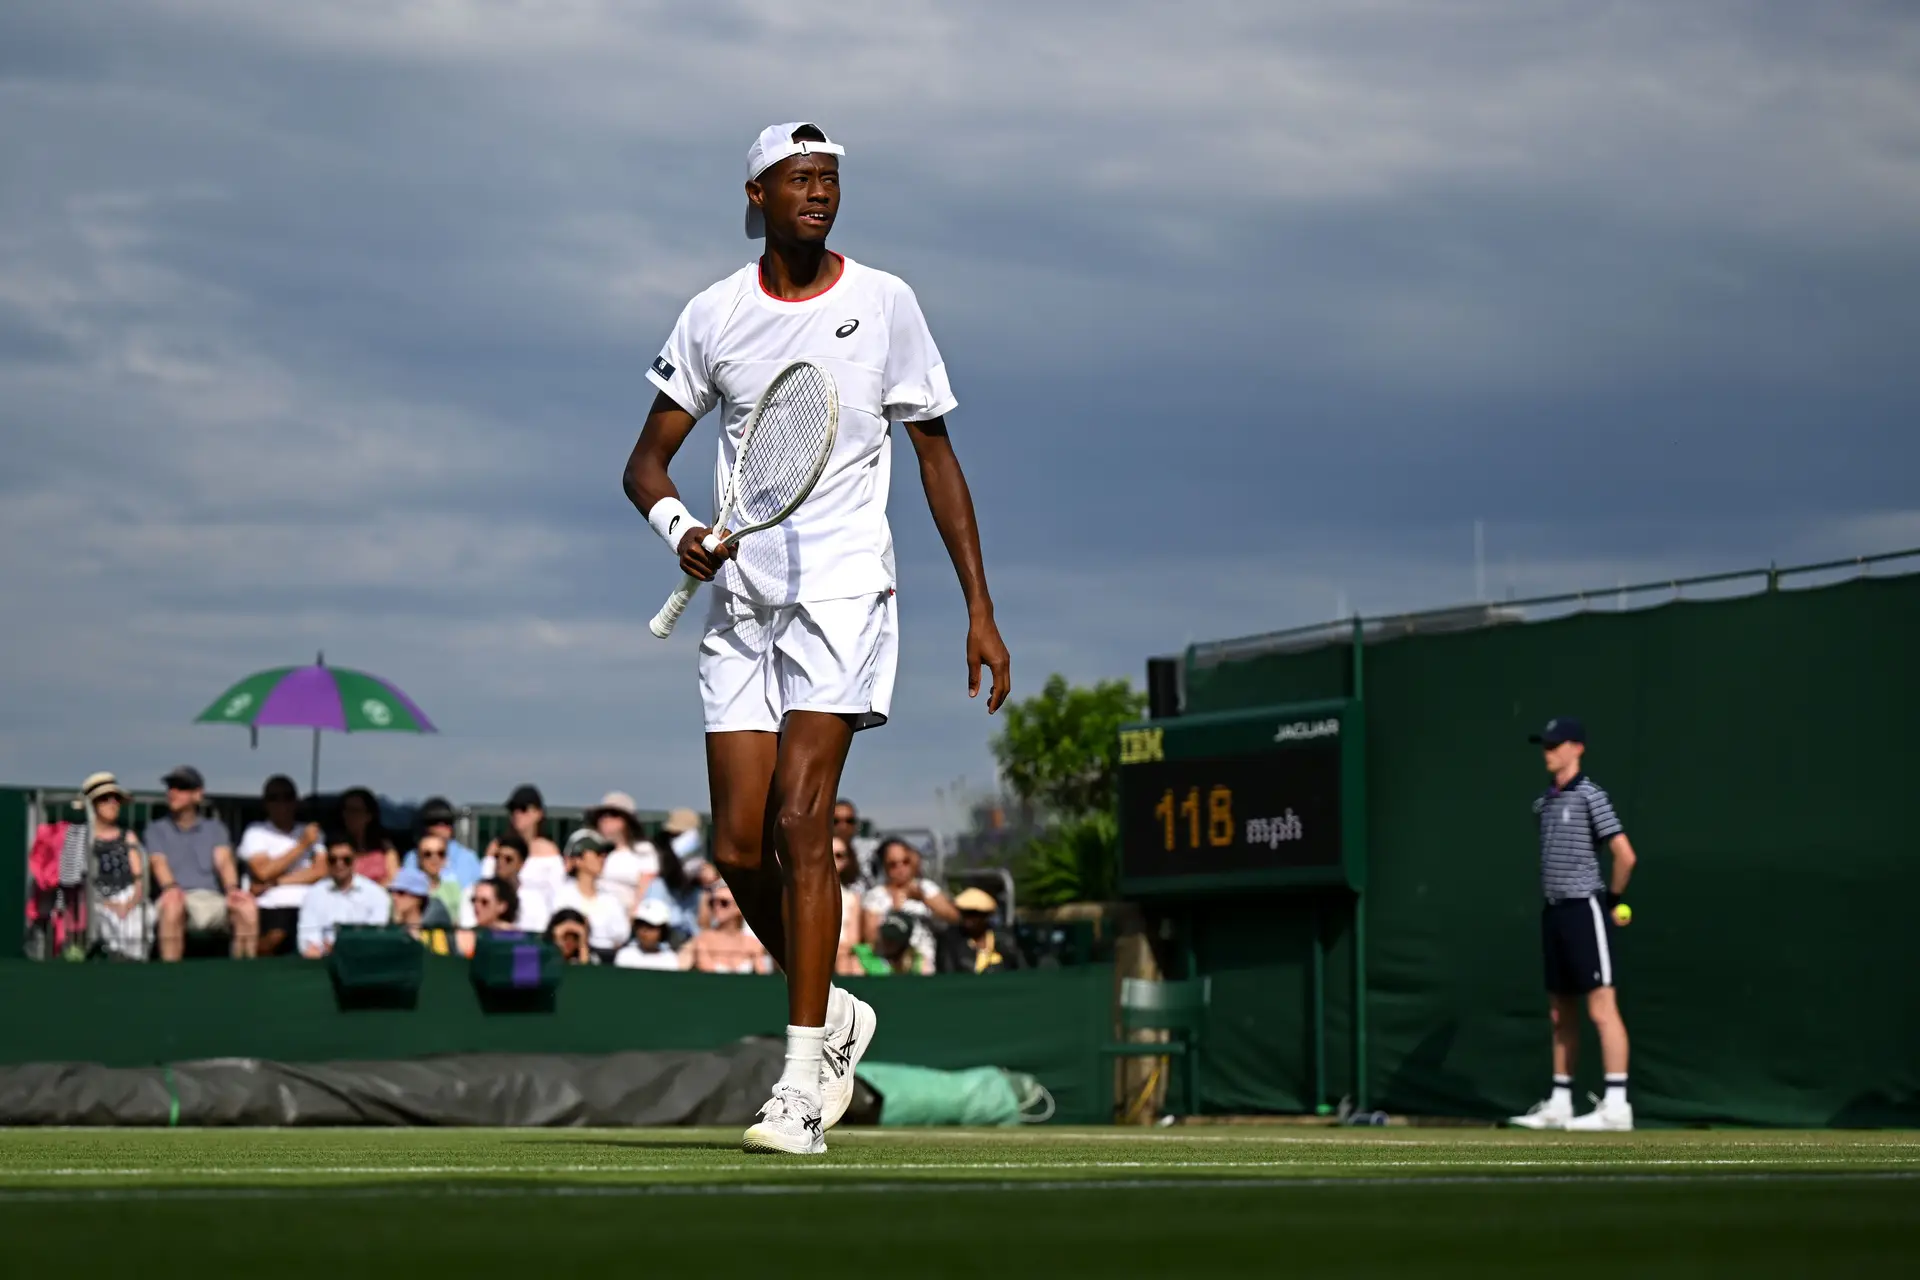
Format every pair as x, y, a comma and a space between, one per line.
783, 450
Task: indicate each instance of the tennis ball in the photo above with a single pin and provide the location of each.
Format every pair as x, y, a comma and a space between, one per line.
1623, 914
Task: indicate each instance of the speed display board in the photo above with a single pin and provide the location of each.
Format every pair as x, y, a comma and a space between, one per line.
1264, 798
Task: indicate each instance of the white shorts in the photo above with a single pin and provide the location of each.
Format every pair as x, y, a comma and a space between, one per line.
758, 662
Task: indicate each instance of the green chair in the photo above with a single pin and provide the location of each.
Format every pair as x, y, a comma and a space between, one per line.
376, 967
1177, 1008
515, 972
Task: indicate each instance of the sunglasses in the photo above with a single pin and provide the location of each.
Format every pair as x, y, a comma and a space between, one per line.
484, 902
280, 799
339, 859
432, 853
521, 808
721, 902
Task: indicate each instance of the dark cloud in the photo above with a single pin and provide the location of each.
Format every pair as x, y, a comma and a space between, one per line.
322, 326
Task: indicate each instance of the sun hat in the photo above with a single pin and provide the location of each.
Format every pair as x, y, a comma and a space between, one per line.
976, 900
615, 802
103, 784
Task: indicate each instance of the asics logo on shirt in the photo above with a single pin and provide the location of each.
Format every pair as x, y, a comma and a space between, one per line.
846, 330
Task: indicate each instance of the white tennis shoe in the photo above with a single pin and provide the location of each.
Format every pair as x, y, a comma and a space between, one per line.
1544, 1115
1604, 1118
845, 1046
789, 1125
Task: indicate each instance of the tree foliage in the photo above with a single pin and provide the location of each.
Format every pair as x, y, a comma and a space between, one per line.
1060, 749
1060, 752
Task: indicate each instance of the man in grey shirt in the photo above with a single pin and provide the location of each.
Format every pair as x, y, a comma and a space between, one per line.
194, 868
1576, 928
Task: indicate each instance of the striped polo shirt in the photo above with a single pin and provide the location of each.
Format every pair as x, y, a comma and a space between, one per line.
1575, 820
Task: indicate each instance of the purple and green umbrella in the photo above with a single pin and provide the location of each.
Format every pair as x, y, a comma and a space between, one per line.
318, 697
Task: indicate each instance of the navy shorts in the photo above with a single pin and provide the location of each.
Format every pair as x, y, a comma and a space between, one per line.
1577, 937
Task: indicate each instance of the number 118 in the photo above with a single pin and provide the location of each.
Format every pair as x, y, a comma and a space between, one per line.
1219, 822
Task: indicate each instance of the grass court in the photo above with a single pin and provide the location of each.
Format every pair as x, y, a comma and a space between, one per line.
1197, 1201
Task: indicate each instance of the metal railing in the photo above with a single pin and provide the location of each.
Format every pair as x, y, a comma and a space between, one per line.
1529, 609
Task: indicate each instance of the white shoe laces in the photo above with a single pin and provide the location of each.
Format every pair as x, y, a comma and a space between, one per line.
789, 1103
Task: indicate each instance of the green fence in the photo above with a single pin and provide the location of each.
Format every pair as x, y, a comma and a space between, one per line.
1048, 1022
1761, 753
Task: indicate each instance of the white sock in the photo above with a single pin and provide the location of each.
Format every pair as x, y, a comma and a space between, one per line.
839, 1008
1616, 1091
805, 1047
1562, 1099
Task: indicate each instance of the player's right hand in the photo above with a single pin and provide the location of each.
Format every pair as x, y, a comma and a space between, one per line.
698, 562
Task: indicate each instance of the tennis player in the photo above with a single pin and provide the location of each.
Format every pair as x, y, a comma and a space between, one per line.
801, 632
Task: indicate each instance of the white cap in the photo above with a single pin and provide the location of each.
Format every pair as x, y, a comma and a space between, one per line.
654, 912
775, 144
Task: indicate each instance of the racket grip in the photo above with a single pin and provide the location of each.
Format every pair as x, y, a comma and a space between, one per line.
669, 615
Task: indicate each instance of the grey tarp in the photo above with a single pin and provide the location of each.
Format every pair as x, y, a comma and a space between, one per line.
719, 1087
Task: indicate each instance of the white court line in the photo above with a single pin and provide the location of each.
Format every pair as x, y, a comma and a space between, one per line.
569, 1191
1358, 1136
694, 1172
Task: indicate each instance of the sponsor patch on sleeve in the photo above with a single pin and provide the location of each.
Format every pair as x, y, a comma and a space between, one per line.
661, 367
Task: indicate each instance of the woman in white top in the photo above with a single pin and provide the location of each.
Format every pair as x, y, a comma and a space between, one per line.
546, 869
608, 924
632, 863
904, 890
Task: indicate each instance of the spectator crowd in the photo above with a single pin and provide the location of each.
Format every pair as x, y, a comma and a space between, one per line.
617, 893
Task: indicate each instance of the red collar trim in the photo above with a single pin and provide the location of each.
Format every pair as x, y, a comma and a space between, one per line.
761, 284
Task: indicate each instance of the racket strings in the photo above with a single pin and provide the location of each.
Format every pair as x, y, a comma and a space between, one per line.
784, 453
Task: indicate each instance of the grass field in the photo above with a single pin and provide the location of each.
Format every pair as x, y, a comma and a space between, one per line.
1203, 1201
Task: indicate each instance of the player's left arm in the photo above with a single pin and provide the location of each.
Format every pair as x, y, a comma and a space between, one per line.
1621, 850
952, 505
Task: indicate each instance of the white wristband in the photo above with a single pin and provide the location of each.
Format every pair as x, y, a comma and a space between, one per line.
671, 520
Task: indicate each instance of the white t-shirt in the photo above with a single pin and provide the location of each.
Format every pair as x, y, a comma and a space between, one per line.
263, 838
608, 924
531, 917
546, 874
867, 331
632, 957
627, 869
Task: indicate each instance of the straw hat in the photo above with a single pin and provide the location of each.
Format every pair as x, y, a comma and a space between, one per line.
103, 784
976, 900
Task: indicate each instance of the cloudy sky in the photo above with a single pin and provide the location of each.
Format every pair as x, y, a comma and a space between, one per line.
322, 326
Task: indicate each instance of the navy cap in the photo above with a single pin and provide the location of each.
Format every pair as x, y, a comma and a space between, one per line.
185, 777
1560, 729
526, 796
